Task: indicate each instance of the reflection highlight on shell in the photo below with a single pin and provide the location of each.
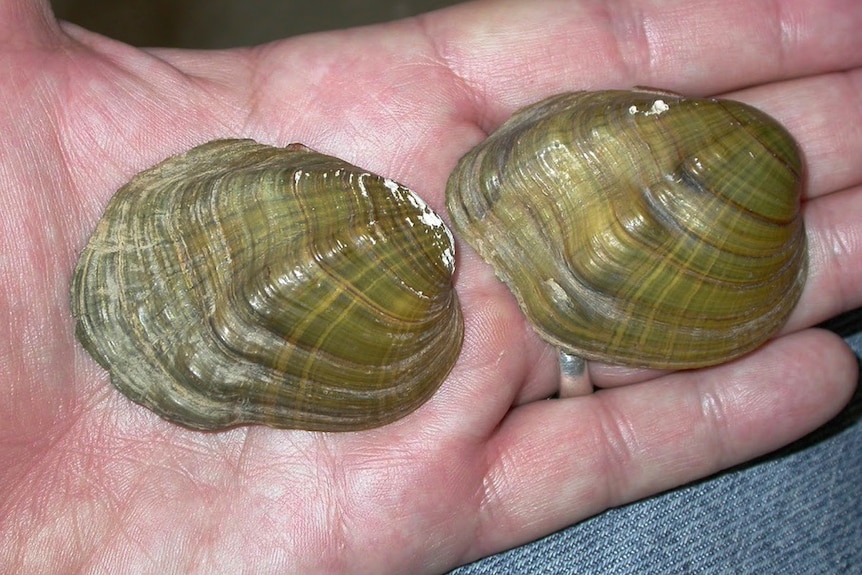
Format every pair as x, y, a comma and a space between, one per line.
640, 228
242, 283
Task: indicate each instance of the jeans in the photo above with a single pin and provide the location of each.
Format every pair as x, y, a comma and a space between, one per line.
796, 511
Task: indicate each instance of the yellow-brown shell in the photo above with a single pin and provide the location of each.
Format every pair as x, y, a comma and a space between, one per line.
242, 283
640, 228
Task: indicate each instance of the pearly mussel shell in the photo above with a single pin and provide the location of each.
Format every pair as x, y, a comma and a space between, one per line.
640, 228
242, 283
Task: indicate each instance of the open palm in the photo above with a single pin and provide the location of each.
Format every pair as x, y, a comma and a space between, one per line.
90, 481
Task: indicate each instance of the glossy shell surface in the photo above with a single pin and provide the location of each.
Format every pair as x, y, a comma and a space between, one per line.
242, 283
640, 228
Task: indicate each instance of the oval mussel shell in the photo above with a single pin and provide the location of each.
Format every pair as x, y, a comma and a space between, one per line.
640, 228
242, 283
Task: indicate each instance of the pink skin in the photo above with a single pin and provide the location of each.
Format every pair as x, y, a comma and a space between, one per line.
92, 483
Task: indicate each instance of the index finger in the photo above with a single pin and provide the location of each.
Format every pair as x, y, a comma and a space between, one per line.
521, 52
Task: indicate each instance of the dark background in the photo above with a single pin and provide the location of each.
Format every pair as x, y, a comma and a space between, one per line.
229, 23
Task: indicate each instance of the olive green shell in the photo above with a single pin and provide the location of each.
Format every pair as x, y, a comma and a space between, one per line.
640, 228
242, 283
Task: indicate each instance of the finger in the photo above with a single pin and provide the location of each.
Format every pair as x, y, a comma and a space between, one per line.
835, 259
528, 50
555, 463
27, 23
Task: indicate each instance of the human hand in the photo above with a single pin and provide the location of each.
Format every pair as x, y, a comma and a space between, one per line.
91, 482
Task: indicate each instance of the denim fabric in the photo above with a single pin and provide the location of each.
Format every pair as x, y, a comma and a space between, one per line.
797, 511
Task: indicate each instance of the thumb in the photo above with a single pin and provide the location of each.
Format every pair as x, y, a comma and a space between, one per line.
27, 24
